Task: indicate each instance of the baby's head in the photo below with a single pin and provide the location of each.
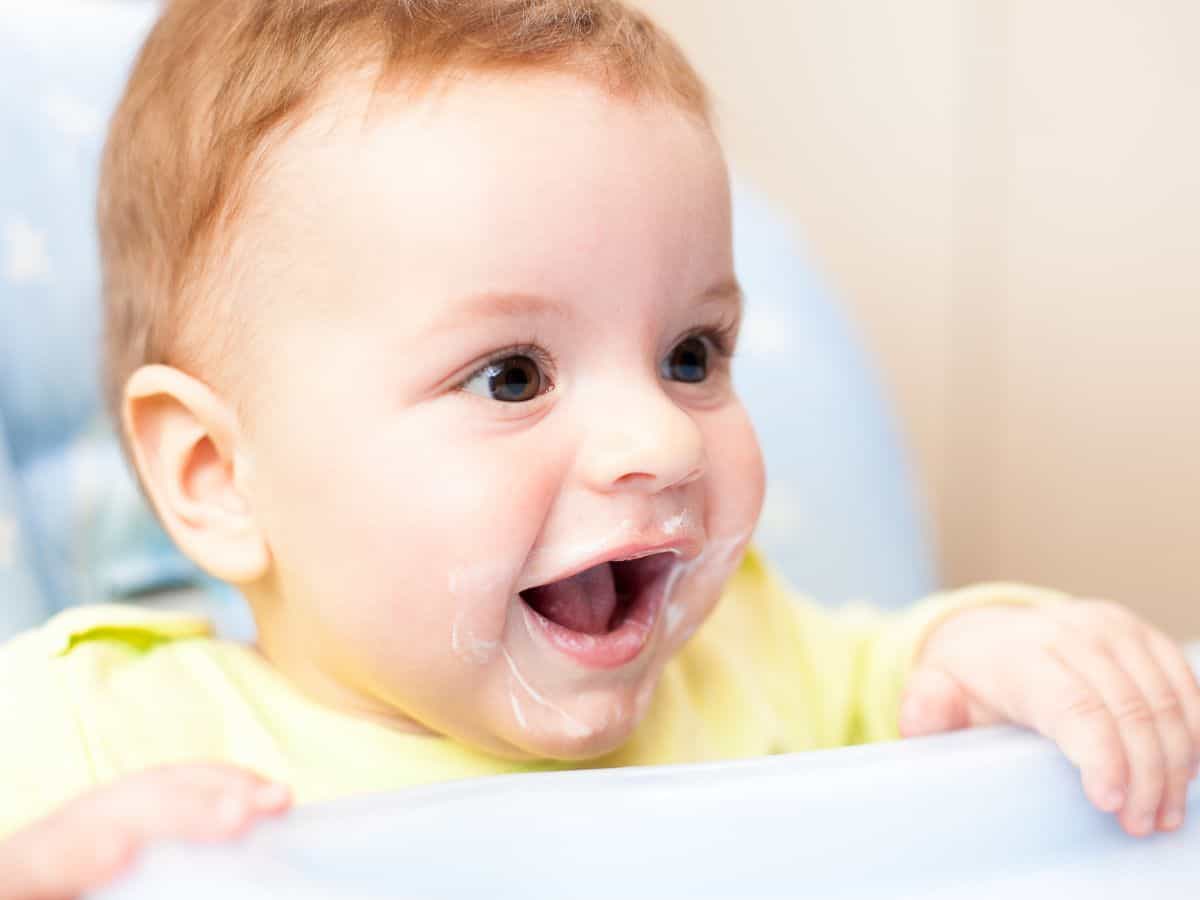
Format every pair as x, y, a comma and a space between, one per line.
418, 316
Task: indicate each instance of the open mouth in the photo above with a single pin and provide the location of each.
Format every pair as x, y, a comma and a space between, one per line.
603, 615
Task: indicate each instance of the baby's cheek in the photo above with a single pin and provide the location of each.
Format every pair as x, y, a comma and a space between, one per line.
736, 480
693, 593
477, 601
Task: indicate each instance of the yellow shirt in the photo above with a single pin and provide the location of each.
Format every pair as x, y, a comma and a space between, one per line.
101, 691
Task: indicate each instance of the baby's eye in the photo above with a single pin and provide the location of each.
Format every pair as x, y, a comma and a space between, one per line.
514, 379
688, 362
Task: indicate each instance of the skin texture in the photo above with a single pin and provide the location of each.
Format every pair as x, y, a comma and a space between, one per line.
382, 512
381, 519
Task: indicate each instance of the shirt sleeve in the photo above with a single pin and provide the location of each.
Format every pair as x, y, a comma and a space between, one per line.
43, 759
835, 677
46, 677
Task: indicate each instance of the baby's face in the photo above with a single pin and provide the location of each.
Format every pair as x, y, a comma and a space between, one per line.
497, 454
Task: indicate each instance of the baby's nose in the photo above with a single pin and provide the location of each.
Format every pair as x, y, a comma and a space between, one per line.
645, 443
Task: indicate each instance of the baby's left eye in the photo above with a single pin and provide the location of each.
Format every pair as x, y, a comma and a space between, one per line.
688, 361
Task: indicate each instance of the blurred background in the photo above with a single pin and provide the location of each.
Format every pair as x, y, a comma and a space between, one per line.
1004, 195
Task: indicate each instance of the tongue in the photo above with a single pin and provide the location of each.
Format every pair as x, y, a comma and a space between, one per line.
585, 602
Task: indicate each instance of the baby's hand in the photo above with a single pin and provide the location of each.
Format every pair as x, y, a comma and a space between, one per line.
1116, 695
88, 842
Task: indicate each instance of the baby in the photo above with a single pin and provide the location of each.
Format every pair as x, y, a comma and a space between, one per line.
419, 324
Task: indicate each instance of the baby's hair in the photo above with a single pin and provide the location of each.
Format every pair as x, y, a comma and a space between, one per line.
218, 81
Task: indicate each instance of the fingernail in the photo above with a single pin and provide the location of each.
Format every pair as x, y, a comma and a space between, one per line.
1145, 824
1172, 820
271, 796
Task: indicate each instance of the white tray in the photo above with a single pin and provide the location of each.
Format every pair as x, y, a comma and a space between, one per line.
988, 813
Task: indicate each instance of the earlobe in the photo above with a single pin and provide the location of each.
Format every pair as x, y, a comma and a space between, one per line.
186, 447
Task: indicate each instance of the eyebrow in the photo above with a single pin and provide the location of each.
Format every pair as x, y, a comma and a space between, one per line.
728, 291
499, 305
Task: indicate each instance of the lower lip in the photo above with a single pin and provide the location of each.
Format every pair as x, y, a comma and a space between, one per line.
607, 651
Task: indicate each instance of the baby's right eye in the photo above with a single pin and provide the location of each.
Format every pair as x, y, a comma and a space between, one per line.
513, 379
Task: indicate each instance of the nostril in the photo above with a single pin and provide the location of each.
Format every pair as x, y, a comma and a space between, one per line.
632, 478
648, 481
644, 449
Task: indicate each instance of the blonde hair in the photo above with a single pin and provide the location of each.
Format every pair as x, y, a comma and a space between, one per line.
217, 80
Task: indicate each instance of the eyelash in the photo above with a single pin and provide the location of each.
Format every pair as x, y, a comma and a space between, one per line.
546, 362
722, 335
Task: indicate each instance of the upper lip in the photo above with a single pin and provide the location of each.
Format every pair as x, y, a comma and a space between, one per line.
686, 546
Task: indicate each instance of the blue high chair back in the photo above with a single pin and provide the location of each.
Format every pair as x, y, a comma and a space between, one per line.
841, 519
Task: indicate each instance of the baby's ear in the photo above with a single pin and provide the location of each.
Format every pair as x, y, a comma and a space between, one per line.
185, 444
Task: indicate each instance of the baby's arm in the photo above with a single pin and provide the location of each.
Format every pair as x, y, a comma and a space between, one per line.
89, 841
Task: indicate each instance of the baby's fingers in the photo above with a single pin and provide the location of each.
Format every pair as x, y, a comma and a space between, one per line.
87, 842
1126, 705
190, 802
1165, 706
1069, 711
1177, 670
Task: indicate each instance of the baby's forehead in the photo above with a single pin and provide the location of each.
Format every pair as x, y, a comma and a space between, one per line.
509, 183
488, 112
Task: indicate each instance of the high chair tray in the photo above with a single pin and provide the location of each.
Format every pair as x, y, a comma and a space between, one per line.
990, 813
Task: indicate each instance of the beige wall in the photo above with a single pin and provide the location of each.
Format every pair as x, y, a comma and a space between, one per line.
1006, 193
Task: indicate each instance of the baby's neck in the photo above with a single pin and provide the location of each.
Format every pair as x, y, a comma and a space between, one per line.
304, 672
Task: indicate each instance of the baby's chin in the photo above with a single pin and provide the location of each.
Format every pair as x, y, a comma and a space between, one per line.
580, 728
